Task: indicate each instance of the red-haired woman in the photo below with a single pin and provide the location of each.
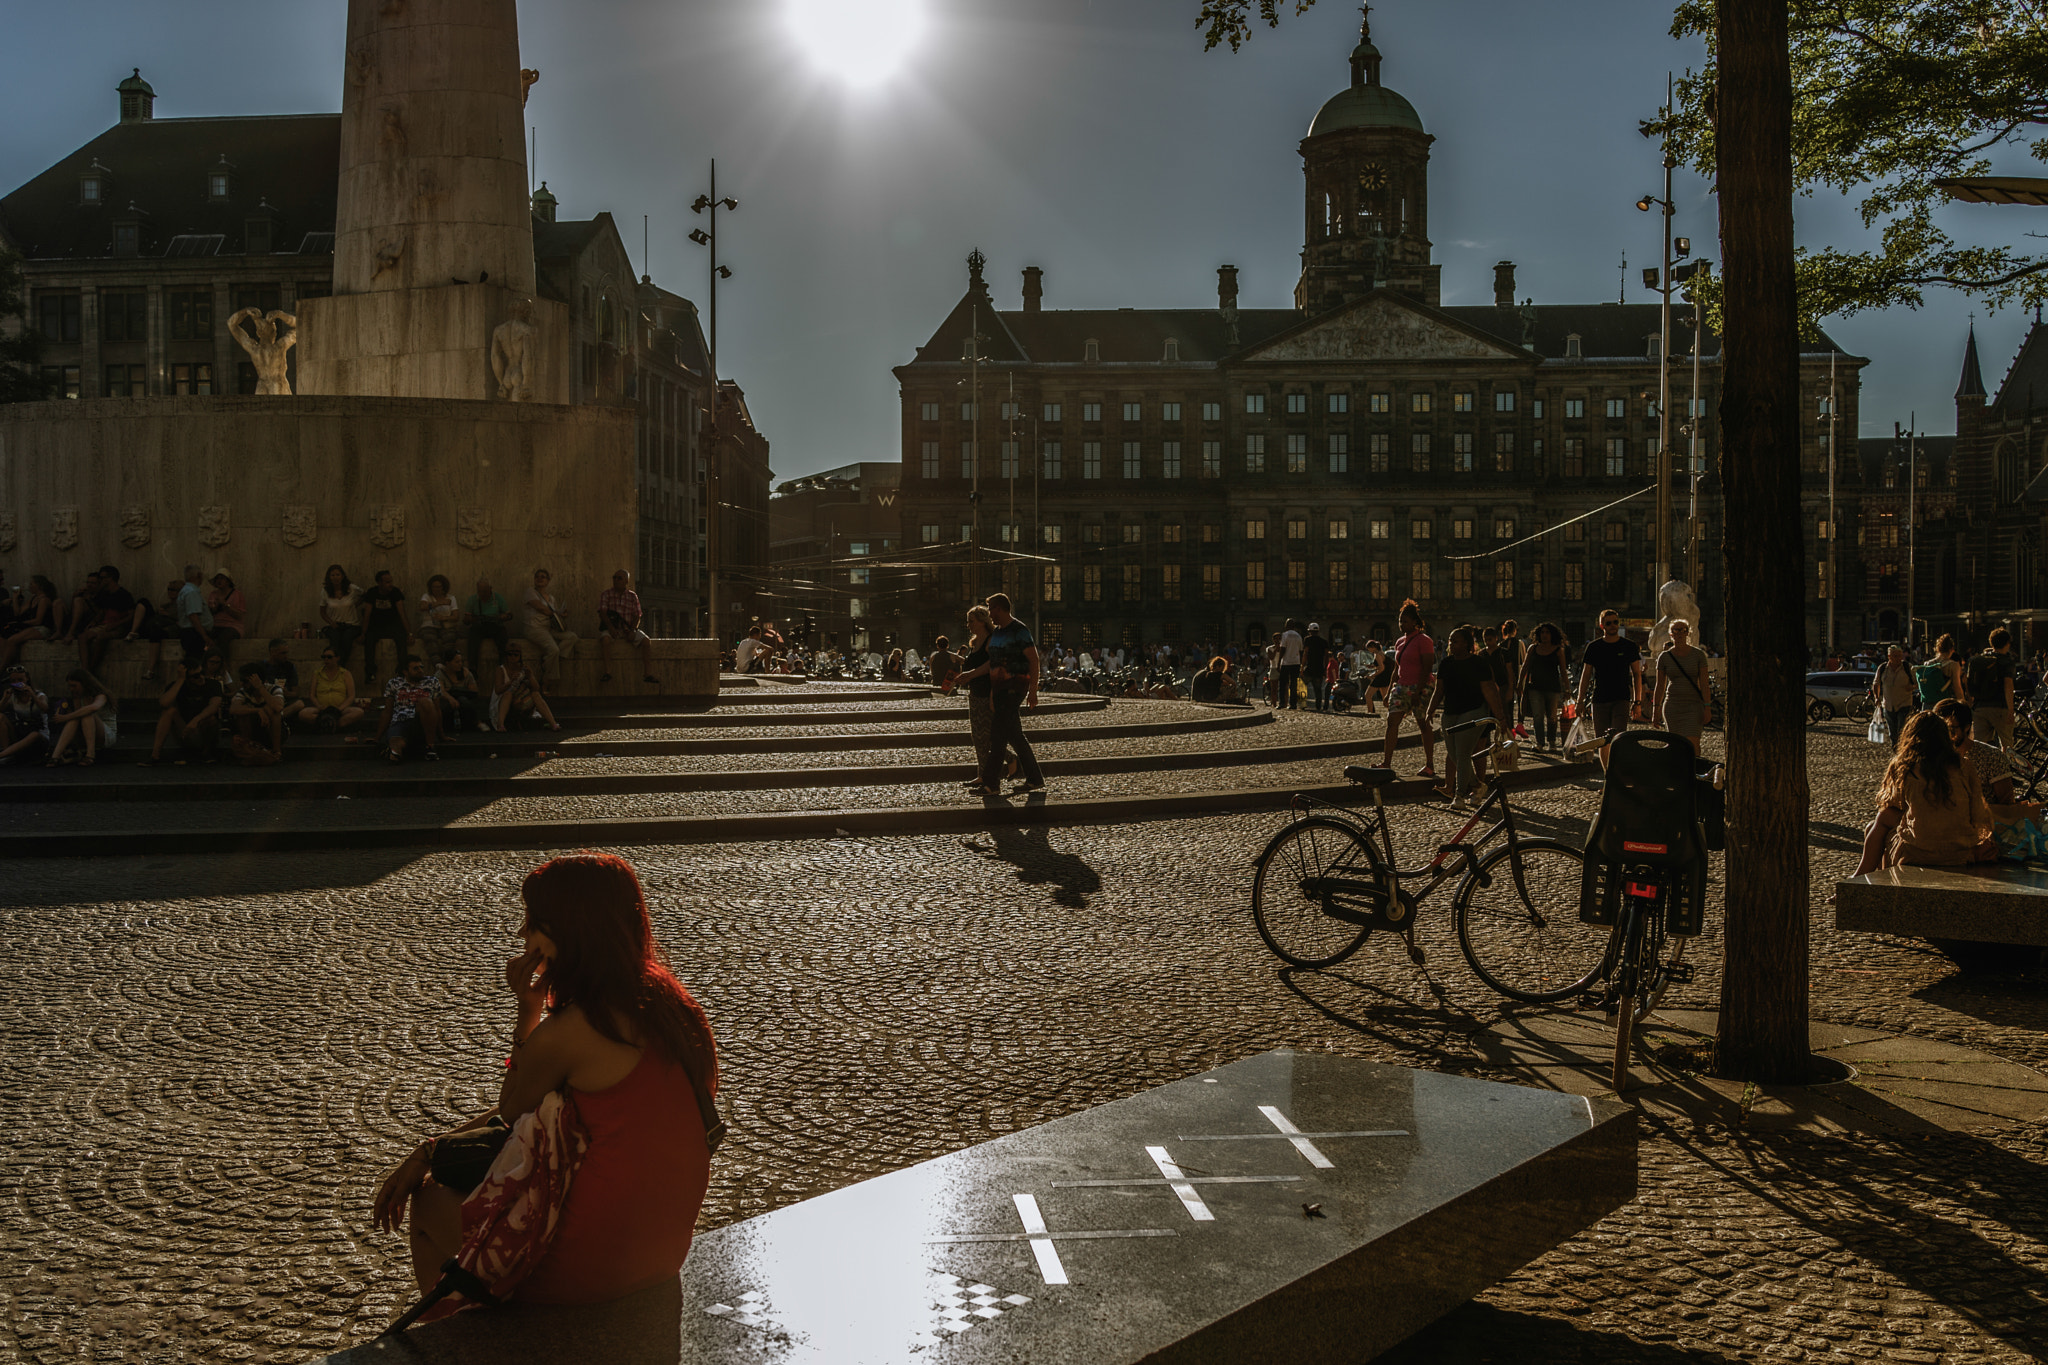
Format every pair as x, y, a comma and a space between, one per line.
598, 1013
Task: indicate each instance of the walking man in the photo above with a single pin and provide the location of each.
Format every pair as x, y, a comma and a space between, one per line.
1988, 680
1289, 660
1892, 689
1013, 668
1614, 670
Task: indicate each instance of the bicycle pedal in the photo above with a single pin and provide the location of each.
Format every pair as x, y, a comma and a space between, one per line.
1417, 955
1679, 975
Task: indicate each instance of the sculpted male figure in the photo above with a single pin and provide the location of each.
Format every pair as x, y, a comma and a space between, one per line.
513, 355
268, 337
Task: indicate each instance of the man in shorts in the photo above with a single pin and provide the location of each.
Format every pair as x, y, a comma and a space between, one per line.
412, 711
1614, 671
1988, 678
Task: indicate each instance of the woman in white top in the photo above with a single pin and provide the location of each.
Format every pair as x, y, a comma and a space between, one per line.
544, 627
439, 619
341, 612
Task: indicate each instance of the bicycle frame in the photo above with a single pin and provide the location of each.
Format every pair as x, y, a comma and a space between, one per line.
1451, 858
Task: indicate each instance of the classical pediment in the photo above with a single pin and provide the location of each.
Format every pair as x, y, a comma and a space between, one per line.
1383, 327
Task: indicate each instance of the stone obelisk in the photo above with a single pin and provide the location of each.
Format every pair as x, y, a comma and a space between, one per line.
433, 242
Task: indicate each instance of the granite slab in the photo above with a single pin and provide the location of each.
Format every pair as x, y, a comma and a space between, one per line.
1290, 1207
1993, 903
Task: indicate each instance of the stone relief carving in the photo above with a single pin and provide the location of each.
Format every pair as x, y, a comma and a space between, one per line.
527, 76
7, 532
301, 525
1528, 324
135, 526
214, 528
387, 526
514, 354
556, 530
63, 527
473, 528
267, 339
1383, 329
387, 253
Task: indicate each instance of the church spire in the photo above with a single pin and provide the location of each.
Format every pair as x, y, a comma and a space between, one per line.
1972, 385
1365, 58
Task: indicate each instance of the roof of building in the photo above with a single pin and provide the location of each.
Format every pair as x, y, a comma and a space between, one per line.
2025, 388
1971, 385
1606, 332
291, 162
1365, 106
1933, 450
568, 237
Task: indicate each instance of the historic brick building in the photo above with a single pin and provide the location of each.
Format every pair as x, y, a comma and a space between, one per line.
1202, 474
835, 540
140, 245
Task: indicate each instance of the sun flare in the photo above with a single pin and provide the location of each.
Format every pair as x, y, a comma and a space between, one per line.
861, 42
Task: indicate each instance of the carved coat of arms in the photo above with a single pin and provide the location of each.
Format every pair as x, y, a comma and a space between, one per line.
301, 525
387, 526
557, 530
214, 530
7, 532
63, 528
473, 528
135, 526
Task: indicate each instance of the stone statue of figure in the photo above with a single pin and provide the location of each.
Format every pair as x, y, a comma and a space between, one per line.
1381, 245
513, 354
267, 338
527, 76
1529, 323
1675, 602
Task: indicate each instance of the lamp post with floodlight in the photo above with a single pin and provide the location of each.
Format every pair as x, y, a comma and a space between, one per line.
714, 483
1663, 284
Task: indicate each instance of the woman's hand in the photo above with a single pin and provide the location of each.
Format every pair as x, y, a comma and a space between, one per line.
527, 975
387, 1214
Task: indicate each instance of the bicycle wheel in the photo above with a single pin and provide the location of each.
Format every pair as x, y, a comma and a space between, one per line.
1520, 930
1313, 887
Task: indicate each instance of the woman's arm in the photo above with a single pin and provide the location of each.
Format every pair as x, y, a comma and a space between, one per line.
1875, 838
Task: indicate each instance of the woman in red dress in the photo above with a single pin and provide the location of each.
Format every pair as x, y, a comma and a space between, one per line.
599, 1013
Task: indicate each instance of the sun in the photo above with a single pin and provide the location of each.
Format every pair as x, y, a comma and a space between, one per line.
861, 42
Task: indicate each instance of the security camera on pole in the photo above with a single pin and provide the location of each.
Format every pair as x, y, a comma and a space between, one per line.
708, 442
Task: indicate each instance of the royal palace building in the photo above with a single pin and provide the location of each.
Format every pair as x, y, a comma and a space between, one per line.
1202, 474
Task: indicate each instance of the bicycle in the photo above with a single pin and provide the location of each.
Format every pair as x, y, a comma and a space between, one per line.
1320, 889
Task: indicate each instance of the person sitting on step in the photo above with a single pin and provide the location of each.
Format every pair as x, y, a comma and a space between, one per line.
412, 711
618, 619
257, 715
517, 695
192, 713
24, 718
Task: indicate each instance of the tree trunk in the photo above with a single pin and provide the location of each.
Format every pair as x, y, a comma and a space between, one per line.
1764, 986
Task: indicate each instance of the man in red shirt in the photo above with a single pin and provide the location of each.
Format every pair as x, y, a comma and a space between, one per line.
618, 618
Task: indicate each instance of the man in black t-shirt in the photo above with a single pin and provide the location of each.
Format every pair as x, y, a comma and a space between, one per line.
385, 618
1614, 671
1988, 678
109, 616
1466, 690
192, 707
1315, 663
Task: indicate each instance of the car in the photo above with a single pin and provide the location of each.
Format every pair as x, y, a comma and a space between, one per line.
1837, 692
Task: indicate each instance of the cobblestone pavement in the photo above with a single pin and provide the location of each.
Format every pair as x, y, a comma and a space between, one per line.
213, 1060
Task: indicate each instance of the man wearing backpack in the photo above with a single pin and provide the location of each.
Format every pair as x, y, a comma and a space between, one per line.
1989, 680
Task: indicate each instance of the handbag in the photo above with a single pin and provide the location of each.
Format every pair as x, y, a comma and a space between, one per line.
460, 1161
1880, 730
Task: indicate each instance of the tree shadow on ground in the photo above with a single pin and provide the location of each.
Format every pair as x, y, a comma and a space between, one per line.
1949, 1215
1029, 849
177, 876
1479, 1334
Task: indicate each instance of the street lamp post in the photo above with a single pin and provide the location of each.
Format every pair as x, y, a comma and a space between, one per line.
714, 483
1664, 358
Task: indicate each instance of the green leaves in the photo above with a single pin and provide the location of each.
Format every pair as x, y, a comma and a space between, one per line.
20, 380
1230, 21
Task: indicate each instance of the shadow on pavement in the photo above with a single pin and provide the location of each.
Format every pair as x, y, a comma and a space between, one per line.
1479, 1334
641, 1329
211, 874
1029, 849
1440, 1032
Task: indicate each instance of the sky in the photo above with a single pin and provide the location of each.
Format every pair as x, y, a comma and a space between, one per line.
1093, 138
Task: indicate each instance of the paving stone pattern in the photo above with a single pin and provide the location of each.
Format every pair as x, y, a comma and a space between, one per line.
212, 1061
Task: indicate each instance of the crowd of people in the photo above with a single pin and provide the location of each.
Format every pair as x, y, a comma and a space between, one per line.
207, 709
1949, 795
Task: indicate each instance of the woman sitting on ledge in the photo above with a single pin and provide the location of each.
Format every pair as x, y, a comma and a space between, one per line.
1931, 798
598, 1016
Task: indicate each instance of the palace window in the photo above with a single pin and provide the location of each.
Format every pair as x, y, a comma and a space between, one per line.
1091, 583
1049, 460
1461, 528
1381, 402
1134, 412
1134, 533
1255, 529
1504, 400
929, 533
1169, 460
191, 379
1461, 401
1212, 459
1615, 532
1051, 535
1169, 582
1461, 451
1421, 528
1212, 412
1340, 578
1254, 454
1297, 453
1340, 528
61, 381
1008, 460
1379, 528
1418, 452
1503, 452
1212, 534
1297, 579
1575, 530
1091, 351
1255, 404
191, 314
1376, 577
124, 315
1340, 402
126, 381
1212, 582
1091, 459
967, 459
1134, 460
1617, 407
1574, 582
1340, 454
1503, 580
1381, 451
1297, 403
1574, 456
1169, 533
1461, 581
1574, 407
1051, 412
1297, 528
1617, 457
1255, 582
930, 466
1503, 528
1091, 412
1169, 412
1055, 586
1536, 408
1421, 402
1008, 412
1091, 533
1536, 581
57, 316
928, 412
967, 412
1418, 581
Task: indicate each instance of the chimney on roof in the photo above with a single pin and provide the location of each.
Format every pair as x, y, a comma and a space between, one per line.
1504, 285
138, 101
1034, 288
1226, 288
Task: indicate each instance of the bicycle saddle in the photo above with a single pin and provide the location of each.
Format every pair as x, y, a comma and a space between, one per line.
1372, 777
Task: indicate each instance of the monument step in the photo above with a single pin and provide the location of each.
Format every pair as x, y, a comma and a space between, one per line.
1291, 1207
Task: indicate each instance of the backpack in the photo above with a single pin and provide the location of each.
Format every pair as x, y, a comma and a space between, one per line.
1930, 680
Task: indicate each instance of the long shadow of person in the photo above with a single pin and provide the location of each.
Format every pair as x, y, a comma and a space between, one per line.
1029, 849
